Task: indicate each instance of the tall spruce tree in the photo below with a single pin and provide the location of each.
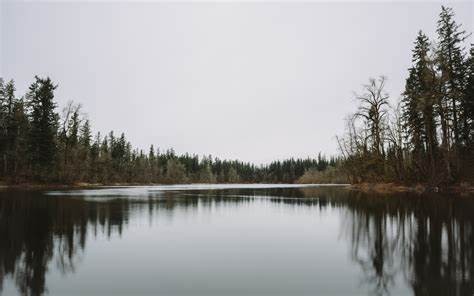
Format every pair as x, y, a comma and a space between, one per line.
44, 122
468, 101
412, 117
3, 127
419, 99
85, 135
19, 148
452, 67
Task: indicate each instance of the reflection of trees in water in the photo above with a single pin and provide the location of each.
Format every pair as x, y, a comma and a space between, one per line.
426, 240
429, 242
34, 230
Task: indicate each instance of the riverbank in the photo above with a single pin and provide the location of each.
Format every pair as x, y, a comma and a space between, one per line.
387, 188
57, 186
40, 186
379, 188
84, 185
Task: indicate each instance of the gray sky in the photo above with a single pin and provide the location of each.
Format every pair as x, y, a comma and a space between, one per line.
254, 81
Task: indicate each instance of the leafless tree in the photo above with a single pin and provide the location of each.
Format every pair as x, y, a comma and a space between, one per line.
373, 110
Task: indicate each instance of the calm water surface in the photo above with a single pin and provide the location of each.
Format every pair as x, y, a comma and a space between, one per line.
234, 240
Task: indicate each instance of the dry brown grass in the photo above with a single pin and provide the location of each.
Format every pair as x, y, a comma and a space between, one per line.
386, 188
329, 176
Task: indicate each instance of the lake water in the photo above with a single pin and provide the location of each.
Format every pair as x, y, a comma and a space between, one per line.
235, 240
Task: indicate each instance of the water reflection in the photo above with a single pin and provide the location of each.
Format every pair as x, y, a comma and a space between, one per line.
428, 242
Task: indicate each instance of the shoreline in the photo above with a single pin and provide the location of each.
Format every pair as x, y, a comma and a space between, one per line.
85, 185
379, 188
79, 185
39, 186
390, 188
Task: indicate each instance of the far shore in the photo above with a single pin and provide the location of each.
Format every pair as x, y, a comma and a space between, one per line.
85, 185
387, 188
380, 188
41, 186
54, 186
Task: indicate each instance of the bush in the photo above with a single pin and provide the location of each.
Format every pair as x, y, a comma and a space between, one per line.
332, 175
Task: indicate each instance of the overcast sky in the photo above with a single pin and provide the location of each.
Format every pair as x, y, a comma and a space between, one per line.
254, 81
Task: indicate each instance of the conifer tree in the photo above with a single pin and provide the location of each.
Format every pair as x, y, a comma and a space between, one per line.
84, 151
233, 176
419, 100
85, 135
452, 67
44, 122
19, 147
175, 172
468, 102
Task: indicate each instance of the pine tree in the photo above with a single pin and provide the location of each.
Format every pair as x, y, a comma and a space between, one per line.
73, 130
151, 154
19, 148
468, 102
3, 126
233, 176
175, 172
419, 105
44, 122
84, 156
206, 175
451, 65
85, 136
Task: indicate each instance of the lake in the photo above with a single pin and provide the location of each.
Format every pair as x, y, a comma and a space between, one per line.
235, 240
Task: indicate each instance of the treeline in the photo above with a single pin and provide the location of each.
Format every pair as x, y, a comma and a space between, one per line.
428, 136
37, 144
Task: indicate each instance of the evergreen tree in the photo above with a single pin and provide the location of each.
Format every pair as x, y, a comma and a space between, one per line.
452, 67
85, 136
19, 148
206, 175
175, 172
44, 122
84, 153
8, 132
419, 104
468, 101
233, 176
74, 123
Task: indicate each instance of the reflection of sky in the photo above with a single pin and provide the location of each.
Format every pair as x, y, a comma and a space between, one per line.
140, 192
231, 248
287, 241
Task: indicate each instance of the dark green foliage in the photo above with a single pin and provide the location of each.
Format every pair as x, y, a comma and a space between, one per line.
450, 63
38, 146
429, 139
86, 135
468, 101
419, 102
43, 126
8, 139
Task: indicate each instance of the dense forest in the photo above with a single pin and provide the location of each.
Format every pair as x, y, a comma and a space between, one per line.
39, 145
428, 136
